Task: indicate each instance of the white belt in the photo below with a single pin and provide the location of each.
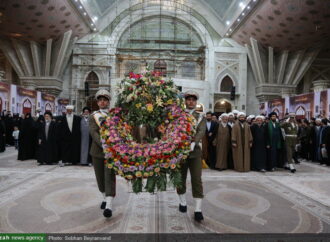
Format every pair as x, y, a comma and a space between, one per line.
291, 135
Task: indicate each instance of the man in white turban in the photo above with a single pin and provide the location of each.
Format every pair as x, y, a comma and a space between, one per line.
70, 137
241, 140
222, 142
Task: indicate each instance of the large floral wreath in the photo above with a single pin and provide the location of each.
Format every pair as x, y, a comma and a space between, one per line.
148, 99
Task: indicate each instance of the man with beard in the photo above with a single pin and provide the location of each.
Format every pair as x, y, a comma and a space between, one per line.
231, 119
274, 142
259, 152
47, 134
315, 134
210, 133
193, 162
70, 137
241, 140
222, 143
85, 158
106, 178
290, 128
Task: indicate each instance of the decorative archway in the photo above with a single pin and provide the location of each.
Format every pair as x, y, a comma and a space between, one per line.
221, 76
160, 66
48, 107
27, 106
226, 84
276, 111
92, 103
199, 107
222, 106
93, 80
300, 112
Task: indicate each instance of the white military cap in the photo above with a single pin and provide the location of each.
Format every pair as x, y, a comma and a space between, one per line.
241, 114
71, 107
191, 94
103, 93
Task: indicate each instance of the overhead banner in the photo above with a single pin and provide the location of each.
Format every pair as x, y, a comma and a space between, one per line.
302, 106
277, 106
61, 103
26, 101
4, 97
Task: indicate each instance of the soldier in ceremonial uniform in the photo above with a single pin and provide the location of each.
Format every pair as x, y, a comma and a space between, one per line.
290, 128
193, 162
106, 178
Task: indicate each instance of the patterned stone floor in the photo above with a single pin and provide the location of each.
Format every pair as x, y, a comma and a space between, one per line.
65, 200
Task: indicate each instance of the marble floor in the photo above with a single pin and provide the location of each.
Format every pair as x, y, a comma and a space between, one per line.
66, 200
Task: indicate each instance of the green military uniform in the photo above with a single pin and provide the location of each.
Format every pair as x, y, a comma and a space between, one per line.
291, 132
106, 178
194, 161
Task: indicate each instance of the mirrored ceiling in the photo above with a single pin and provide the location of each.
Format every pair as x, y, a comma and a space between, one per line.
226, 11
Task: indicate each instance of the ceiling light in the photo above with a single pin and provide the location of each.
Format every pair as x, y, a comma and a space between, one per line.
80, 7
76, 0
243, 14
238, 20
227, 34
223, 102
254, 0
227, 22
94, 29
242, 5
92, 24
248, 7
95, 18
230, 29
85, 13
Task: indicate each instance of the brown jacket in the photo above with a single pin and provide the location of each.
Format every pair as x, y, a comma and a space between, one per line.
241, 153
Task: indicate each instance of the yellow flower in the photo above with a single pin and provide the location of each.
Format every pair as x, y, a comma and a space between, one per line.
166, 166
138, 174
157, 169
146, 174
110, 166
159, 101
151, 173
170, 102
138, 105
120, 173
150, 107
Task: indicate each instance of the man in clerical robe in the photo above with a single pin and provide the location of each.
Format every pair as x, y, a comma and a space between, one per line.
70, 135
210, 133
274, 142
241, 140
222, 143
259, 152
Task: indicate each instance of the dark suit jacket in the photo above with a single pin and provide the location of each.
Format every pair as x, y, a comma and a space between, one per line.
213, 130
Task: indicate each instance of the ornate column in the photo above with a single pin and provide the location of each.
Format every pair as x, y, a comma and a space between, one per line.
320, 85
288, 92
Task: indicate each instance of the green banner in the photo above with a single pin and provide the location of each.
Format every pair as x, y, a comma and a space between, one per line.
22, 237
